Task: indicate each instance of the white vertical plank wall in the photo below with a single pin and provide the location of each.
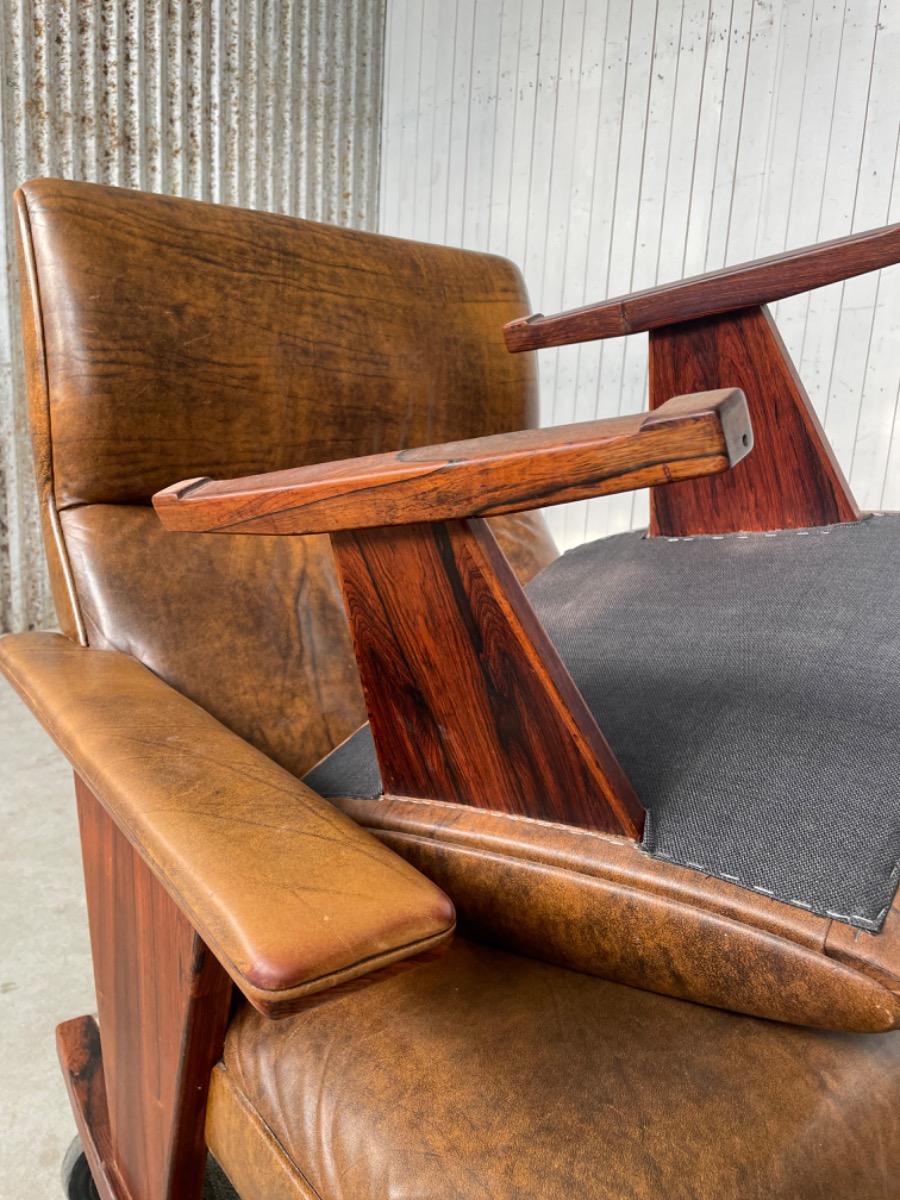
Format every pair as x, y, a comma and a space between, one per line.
271, 104
607, 145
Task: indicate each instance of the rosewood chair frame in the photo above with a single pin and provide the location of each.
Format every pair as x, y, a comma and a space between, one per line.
717, 327
467, 698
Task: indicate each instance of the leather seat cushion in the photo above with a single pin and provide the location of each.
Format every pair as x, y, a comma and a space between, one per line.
750, 687
486, 1076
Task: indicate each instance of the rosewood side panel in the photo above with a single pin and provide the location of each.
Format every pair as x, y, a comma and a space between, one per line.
468, 699
792, 479
163, 1003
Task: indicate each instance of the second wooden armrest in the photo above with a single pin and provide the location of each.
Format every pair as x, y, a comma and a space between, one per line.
687, 437
291, 896
741, 286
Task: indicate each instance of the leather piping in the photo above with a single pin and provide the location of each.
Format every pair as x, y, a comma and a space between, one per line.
61, 549
59, 542
222, 1085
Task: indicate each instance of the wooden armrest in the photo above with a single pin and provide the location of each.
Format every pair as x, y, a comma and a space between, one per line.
741, 286
687, 437
291, 896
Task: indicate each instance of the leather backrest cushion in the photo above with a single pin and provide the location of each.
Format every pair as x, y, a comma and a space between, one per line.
186, 339
167, 339
250, 628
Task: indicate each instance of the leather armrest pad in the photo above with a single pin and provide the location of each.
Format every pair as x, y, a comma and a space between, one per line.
289, 894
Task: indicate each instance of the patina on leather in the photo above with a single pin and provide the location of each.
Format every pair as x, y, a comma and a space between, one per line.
596, 903
167, 338
493, 1077
291, 895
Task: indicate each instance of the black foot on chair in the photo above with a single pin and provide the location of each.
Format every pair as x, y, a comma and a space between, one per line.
76, 1175
78, 1184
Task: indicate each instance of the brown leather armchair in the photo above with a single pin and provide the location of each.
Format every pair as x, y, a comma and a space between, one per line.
656, 784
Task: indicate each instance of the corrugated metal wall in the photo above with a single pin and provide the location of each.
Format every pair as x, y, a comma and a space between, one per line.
264, 103
606, 145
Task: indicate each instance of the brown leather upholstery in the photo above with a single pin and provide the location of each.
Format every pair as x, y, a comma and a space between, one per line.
166, 338
485, 1075
291, 896
597, 903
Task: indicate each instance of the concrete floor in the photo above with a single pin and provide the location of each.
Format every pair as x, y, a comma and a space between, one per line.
45, 964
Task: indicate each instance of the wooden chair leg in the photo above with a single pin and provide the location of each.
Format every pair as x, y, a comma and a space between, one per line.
78, 1047
792, 479
163, 1002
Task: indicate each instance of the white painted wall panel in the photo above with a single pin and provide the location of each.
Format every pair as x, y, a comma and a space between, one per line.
607, 145
271, 104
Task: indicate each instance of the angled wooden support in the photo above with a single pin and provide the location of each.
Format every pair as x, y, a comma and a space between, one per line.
793, 479
713, 331
468, 700
138, 1086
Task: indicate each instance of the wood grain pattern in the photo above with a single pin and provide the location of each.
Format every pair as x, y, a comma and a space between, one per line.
78, 1049
732, 288
792, 479
163, 1003
688, 436
468, 699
